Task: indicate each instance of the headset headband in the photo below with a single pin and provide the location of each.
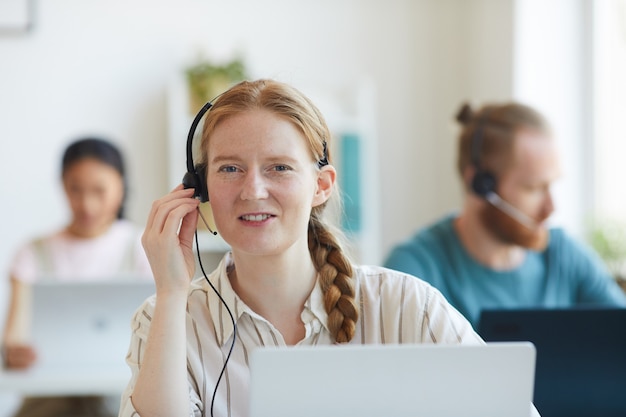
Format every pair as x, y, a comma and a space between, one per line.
192, 131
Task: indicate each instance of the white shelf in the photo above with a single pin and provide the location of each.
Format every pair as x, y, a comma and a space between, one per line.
350, 109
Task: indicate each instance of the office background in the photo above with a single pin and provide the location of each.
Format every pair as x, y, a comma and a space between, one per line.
106, 68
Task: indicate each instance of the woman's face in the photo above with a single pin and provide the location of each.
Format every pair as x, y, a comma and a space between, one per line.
95, 192
262, 182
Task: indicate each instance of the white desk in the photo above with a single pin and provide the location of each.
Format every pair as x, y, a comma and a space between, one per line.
110, 381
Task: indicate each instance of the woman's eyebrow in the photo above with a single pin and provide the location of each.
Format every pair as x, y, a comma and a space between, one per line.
224, 158
273, 158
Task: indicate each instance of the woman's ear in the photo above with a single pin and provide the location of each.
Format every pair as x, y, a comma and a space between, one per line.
326, 178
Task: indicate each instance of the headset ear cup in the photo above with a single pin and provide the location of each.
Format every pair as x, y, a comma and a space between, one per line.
190, 180
197, 181
201, 189
483, 183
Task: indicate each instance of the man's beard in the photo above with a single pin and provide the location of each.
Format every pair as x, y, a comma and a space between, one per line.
510, 231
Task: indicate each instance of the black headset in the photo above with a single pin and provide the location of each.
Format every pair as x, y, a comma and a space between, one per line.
195, 177
484, 181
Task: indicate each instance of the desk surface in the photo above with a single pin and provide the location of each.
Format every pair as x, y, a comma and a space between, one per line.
85, 381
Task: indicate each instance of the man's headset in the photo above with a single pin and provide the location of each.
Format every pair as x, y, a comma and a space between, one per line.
484, 183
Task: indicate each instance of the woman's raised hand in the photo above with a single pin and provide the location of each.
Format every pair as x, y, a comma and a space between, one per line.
168, 239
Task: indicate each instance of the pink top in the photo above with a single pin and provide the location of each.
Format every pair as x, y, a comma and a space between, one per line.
64, 257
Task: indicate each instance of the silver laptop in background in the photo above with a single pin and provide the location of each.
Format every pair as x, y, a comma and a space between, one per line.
84, 325
81, 332
492, 380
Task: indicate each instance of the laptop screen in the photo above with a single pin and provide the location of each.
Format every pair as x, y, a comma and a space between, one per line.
85, 325
581, 356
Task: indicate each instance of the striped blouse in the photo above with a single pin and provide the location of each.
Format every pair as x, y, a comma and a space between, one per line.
394, 308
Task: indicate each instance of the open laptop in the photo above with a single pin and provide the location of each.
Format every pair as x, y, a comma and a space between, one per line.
81, 332
393, 380
581, 357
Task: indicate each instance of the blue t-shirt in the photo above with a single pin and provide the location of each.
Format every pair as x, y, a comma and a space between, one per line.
565, 274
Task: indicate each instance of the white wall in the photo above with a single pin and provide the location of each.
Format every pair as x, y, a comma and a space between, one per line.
553, 74
461, 52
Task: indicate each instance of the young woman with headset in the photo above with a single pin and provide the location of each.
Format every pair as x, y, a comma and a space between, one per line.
267, 170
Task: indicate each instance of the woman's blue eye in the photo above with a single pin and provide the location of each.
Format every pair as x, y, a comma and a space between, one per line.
281, 168
229, 168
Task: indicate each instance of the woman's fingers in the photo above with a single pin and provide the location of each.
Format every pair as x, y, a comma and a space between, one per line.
188, 227
168, 236
177, 193
169, 211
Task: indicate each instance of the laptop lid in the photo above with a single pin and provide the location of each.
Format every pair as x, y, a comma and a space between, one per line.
581, 356
84, 325
392, 380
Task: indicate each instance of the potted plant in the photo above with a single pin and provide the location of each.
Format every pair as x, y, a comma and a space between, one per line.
206, 80
608, 238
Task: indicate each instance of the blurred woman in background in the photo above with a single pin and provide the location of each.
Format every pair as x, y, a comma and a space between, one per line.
96, 244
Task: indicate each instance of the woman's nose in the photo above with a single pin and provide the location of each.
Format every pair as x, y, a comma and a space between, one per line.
88, 204
254, 187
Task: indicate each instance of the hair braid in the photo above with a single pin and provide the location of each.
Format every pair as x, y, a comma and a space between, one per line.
336, 280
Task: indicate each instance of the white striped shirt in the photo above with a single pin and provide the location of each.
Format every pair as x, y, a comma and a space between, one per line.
394, 308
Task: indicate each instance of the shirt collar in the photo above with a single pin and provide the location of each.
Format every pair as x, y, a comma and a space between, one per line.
313, 307
219, 312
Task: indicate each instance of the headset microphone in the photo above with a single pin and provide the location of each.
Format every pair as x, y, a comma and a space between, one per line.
484, 183
206, 223
511, 210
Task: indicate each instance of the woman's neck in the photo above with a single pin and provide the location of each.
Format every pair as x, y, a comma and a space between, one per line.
276, 288
76, 230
